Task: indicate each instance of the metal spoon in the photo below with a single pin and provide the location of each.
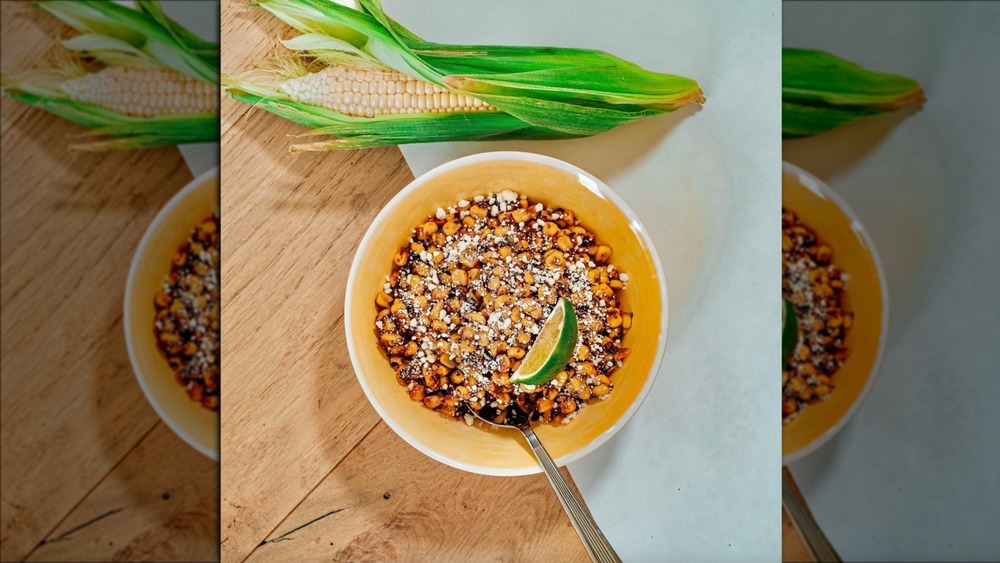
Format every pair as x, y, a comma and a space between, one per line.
597, 546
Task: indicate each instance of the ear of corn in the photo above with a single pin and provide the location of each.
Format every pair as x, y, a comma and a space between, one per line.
138, 29
153, 82
525, 92
820, 92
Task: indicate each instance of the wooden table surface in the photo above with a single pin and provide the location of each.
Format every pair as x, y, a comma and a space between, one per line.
88, 470
309, 471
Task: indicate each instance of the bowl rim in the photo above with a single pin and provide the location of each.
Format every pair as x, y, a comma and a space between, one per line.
130, 345
820, 188
591, 183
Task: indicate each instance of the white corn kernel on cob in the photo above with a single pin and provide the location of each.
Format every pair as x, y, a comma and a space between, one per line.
363, 92
143, 92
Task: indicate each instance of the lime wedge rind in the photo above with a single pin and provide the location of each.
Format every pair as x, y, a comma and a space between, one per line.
789, 332
553, 348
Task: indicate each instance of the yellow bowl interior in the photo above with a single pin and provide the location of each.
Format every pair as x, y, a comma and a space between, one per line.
188, 418
863, 297
483, 448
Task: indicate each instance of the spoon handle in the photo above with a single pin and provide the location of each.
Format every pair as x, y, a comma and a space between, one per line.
594, 542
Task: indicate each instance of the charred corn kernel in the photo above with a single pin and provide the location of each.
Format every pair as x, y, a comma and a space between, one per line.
515, 352
391, 339
601, 390
603, 254
503, 363
383, 299
429, 228
363, 92
143, 92
626, 321
616, 284
603, 291
169, 339
410, 349
398, 308
550, 229
834, 319
177, 308
433, 401
478, 212
498, 347
162, 299
401, 257
196, 392
620, 355
450, 228
614, 319
520, 215
555, 259
523, 337
823, 254
459, 277
567, 406
544, 405
564, 243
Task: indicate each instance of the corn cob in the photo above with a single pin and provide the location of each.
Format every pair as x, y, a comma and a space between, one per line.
143, 92
820, 92
459, 92
133, 74
369, 92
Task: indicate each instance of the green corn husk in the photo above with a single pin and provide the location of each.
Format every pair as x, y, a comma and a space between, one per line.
113, 35
539, 92
820, 92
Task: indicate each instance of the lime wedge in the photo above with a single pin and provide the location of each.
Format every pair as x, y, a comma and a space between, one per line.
553, 347
789, 332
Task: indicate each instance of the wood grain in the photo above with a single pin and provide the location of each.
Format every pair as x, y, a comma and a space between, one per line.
388, 502
793, 549
71, 409
154, 506
299, 438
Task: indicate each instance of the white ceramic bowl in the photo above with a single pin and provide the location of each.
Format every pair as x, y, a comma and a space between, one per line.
481, 448
171, 227
822, 210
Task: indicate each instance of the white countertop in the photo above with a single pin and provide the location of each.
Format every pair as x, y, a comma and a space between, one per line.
695, 475
914, 476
